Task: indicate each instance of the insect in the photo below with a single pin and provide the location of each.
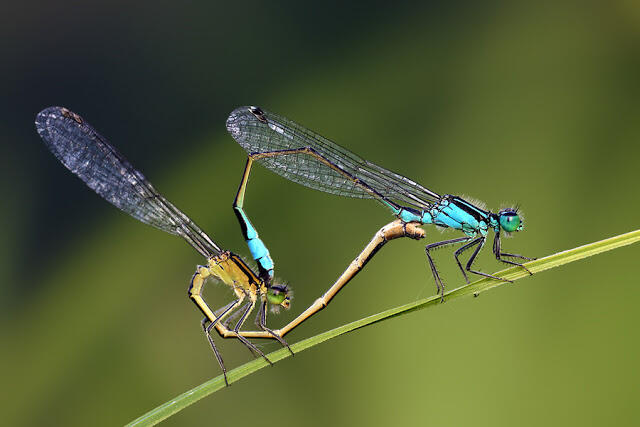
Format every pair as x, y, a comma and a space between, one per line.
96, 162
307, 158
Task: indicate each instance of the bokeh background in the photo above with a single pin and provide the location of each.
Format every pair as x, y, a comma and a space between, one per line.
508, 103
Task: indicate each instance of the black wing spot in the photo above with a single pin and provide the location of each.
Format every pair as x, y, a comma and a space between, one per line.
256, 111
71, 115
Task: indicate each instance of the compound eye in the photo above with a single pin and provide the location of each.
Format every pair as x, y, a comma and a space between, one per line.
510, 222
279, 295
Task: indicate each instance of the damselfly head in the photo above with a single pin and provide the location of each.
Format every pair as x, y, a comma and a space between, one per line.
279, 296
509, 220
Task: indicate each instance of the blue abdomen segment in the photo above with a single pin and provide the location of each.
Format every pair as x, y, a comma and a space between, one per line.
409, 214
260, 253
258, 249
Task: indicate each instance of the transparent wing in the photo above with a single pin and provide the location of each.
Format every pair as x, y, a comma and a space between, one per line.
90, 156
316, 162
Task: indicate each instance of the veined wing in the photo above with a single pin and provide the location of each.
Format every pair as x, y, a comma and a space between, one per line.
307, 158
94, 160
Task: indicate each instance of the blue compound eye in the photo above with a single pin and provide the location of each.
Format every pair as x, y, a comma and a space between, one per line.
510, 221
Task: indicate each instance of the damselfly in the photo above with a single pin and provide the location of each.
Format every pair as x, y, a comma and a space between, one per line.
307, 158
94, 160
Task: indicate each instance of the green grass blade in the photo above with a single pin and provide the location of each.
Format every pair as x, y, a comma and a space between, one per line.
182, 401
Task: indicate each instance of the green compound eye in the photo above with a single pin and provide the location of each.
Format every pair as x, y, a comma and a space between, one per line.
275, 298
279, 295
510, 221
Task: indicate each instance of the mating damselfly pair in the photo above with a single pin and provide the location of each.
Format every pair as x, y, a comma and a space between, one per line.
301, 156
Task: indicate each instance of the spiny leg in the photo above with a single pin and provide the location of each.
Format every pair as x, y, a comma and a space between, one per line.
434, 270
480, 242
220, 313
256, 246
517, 256
458, 252
215, 350
243, 339
499, 254
262, 323
235, 315
207, 332
224, 313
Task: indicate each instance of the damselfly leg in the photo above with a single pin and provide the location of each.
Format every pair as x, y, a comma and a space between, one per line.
499, 254
262, 324
434, 270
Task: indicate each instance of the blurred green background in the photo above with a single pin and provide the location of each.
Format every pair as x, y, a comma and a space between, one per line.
507, 103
